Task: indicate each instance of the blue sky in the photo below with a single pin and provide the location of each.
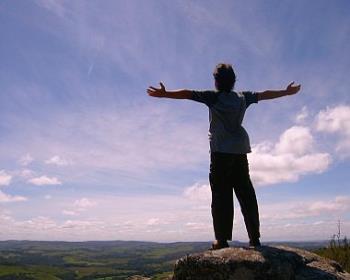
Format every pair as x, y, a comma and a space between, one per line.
85, 154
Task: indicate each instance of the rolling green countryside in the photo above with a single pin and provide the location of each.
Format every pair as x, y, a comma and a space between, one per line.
109, 260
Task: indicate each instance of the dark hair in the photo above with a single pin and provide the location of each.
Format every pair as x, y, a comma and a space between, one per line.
224, 76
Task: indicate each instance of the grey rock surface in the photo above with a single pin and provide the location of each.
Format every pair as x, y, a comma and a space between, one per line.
138, 277
263, 263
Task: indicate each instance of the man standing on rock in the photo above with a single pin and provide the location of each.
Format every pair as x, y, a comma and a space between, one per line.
229, 145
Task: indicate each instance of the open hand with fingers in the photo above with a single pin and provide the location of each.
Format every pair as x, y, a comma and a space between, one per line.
175, 94
157, 92
292, 88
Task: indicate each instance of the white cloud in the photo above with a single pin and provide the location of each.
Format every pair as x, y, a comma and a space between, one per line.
318, 223
5, 179
153, 222
285, 161
338, 205
84, 203
302, 231
25, 160
296, 140
44, 180
332, 209
38, 223
336, 120
176, 221
195, 226
5, 216
302, 115
57, 160
198, 192
80, 205
48, 196
70, 213
291, 157
26, 173
80, 224
10, 198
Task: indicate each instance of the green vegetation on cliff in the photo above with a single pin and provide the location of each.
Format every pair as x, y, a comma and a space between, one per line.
338, 250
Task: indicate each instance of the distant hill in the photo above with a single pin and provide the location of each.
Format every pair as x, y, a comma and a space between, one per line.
101, 259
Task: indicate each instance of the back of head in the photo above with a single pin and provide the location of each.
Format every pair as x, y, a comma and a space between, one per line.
225, 77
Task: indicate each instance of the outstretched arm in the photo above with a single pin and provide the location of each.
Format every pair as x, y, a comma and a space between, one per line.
162, 92
271, 94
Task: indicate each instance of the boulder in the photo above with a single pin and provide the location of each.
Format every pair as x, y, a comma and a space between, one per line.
138, 277
263, 263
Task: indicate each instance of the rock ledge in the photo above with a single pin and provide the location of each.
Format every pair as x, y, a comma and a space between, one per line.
264, 263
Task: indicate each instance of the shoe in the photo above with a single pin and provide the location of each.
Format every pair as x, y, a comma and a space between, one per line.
218, 244
255, 243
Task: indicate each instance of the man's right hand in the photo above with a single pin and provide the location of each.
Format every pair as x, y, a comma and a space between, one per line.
292, 89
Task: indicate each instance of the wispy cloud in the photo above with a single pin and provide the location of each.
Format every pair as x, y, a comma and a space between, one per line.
179, 220
84, 203
80, 98
153, 221
26, 173
10, 198
5, 179
79, 206
55, 6
57, 160
45, 180
198, 192
302, 115
330, 209
133, 139
26, 160
70, 213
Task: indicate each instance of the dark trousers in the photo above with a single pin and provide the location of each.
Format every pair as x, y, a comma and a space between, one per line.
230, 172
